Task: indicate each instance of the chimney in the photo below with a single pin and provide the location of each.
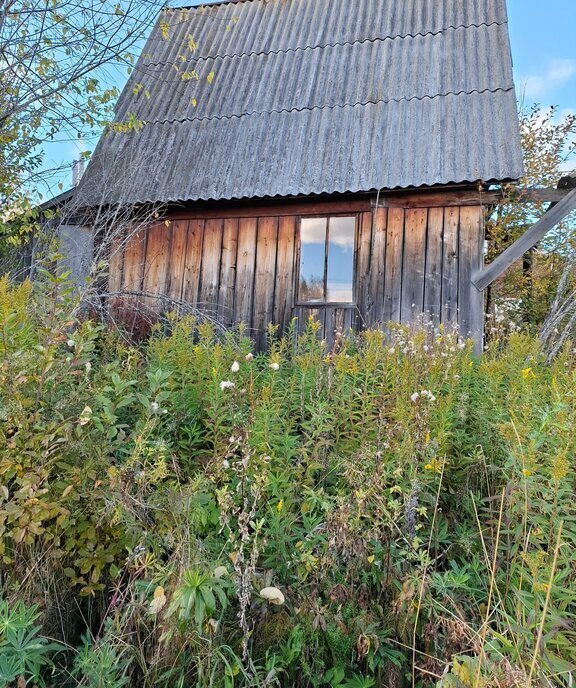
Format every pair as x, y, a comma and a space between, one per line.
77, 171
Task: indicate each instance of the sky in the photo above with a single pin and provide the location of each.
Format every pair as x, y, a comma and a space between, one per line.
543, 39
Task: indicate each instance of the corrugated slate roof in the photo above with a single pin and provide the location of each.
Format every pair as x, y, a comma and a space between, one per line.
287, 97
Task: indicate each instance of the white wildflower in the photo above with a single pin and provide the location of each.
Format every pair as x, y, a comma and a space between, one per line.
158, 601
155, 407
273, 595
391, 351
226, 464
70, 343
249, 357
274, 366
235, 367
85, 416
227, 384
461, 345
415, 397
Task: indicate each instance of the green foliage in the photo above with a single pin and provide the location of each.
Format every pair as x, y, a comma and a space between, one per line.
24, 653
391, 510
100, 666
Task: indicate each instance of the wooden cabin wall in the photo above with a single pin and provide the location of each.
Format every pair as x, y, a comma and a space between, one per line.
243, 268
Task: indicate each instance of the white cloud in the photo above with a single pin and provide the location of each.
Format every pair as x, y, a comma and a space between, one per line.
557, 73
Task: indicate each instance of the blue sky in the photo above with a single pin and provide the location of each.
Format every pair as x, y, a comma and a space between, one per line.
543, 37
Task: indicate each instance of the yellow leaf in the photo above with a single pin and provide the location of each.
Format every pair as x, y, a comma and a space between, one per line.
210, 77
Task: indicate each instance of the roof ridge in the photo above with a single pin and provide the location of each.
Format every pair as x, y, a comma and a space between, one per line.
382, 39
378, 101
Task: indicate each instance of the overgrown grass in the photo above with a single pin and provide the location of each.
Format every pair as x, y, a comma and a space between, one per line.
410, 507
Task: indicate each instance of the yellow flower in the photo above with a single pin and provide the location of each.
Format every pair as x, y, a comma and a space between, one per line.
434, 465
526, 473
279, 506
527, 373
560, 466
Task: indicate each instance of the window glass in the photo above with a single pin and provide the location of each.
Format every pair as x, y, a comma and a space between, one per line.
341, 231
312, 258
327, 259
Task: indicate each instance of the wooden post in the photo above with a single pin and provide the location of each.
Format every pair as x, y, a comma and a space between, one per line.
482, 278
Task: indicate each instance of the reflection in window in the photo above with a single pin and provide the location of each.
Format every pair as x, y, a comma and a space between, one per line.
327, 259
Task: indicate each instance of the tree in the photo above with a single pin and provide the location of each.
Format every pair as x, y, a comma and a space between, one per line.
549, 143
59, 60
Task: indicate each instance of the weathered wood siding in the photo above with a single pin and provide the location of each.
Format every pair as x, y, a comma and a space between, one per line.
242, 266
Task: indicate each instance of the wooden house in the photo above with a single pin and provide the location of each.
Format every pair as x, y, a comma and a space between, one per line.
314, 157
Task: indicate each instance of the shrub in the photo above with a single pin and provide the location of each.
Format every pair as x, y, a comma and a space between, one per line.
411, 505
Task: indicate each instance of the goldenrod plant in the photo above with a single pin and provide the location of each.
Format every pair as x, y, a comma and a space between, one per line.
393, 511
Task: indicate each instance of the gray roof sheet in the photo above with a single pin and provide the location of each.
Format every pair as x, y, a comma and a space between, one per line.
278, 98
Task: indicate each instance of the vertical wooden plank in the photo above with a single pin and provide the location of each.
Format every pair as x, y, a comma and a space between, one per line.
134, 254
350, 318
228, 271
156, 264
338, 326
265, 277
177, 259
433, 276
329, 333
245, 267
375, 313
363, 260
298, 314
393, 269
193, 262
450, 265
413, 264
116, 263
470, 300
210, 274
285, 278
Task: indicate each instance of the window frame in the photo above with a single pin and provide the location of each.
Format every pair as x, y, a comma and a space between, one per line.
298, 301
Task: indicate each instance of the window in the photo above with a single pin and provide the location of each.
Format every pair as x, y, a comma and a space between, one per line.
327, 259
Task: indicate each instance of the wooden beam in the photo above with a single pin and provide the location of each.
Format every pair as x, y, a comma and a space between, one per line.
483, 278
259, 208
450, 199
